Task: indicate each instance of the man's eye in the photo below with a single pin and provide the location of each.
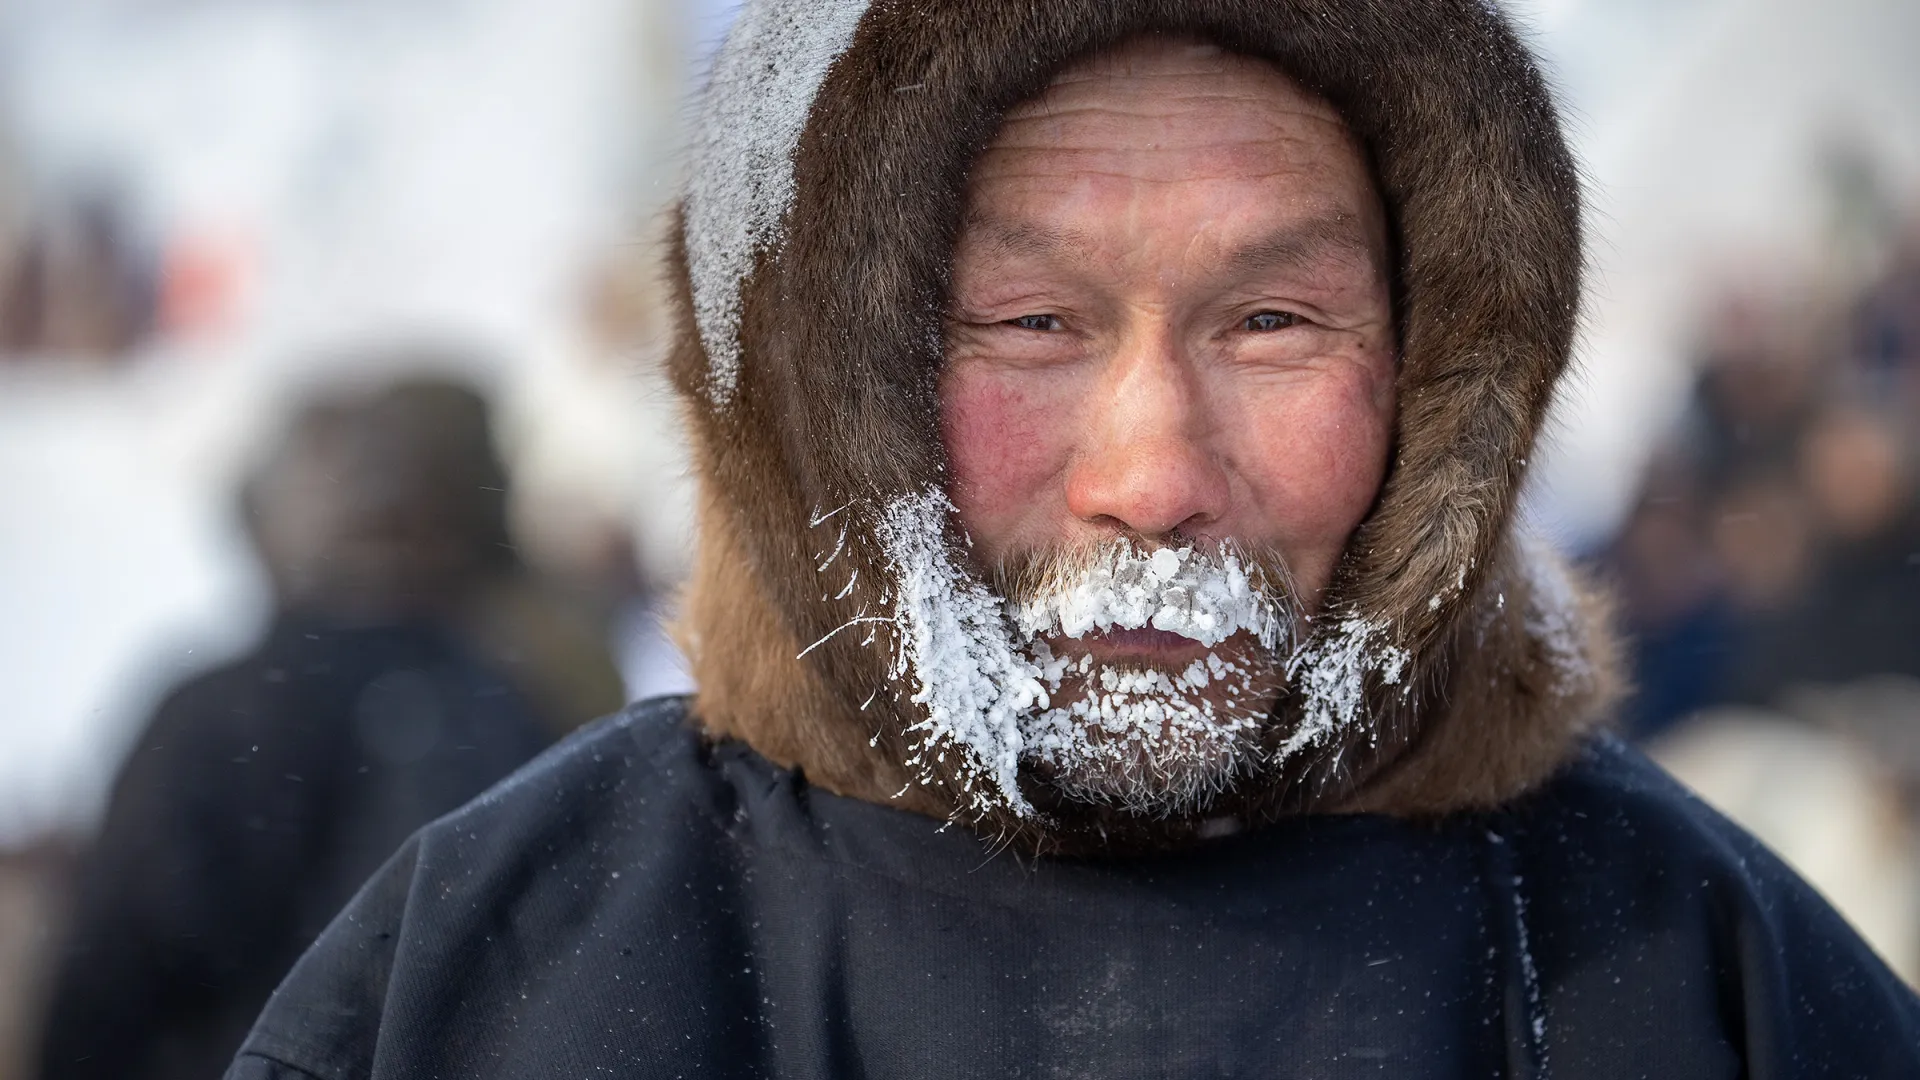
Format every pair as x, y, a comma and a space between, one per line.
1269, 320
1047, 323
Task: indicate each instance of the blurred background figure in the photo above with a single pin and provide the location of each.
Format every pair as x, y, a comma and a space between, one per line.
78, 284
411, 663
1770, 572
200, 202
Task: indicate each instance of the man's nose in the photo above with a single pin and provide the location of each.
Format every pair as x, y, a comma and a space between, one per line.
1146, 459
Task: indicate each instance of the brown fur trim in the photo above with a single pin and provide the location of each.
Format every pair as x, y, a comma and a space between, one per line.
835, 409
1531, 674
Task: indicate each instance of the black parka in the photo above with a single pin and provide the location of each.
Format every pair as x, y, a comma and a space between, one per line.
639, 903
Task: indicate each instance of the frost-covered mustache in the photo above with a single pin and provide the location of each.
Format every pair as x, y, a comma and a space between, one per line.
1128, 584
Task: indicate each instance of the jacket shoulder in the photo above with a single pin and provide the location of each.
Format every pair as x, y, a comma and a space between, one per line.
619, 765
473, 908
1611, 808
1612, 820
1611, 776
1648, 915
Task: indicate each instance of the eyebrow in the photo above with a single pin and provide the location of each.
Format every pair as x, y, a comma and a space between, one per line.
1291, 246
1303, 243
1015, 239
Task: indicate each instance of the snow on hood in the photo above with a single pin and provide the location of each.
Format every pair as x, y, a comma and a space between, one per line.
756, 106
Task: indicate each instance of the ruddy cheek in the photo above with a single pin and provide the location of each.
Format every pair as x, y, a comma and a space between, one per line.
1318, 464
1001, 447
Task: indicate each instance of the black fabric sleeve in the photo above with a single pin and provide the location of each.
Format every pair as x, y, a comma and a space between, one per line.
324, 1021
180, 892
117, 981
255, 1067
1812, 999
1652, 919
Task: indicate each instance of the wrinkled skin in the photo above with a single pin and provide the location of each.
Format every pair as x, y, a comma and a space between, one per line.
1171, 318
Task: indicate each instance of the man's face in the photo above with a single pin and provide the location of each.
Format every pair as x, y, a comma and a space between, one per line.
1170, 325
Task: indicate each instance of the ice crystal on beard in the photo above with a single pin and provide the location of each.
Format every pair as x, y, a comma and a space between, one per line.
1329, 676
1144, 740
951, 637
1151, 742
1177, 590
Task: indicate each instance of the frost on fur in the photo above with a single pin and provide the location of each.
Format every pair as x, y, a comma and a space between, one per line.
1553, 610
1329, 676
756, 106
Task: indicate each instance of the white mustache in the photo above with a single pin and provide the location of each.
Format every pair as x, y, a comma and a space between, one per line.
1187, 591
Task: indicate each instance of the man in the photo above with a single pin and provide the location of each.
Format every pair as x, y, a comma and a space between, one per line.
1109, 417
262, 793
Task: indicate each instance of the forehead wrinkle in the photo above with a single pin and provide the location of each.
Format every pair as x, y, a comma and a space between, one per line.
1081, 165
1018, 239
1120, 146
1145, 79
1303, 243
1160, 127
1132, 103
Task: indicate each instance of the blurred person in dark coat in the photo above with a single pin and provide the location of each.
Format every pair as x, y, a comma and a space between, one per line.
262, 793
1885, 323
1679, 623
1718, 540
1858, 615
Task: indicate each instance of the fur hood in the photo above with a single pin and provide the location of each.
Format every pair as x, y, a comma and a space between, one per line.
1456, 663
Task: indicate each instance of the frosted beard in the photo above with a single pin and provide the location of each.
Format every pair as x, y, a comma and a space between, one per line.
1005, 683
1151, 736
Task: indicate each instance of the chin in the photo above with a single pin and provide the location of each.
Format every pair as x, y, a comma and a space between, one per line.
1153, 729
1150, 783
